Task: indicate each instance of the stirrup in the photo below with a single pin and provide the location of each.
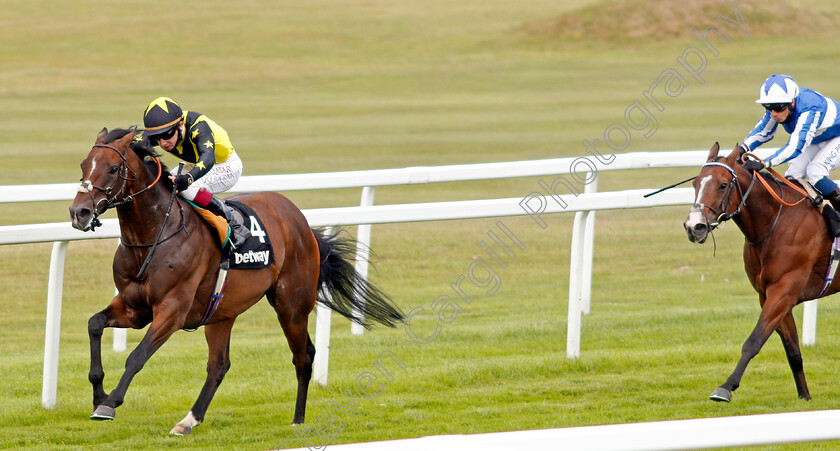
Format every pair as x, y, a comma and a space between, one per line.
236, 223
238, 235
221, 278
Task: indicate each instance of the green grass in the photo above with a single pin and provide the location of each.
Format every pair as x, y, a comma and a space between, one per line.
363, 84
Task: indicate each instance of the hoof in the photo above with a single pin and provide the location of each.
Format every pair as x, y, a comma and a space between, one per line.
721, 395
103, 412
185, 426
181, 429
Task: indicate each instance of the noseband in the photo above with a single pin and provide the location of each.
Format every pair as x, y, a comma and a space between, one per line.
111, 198
724, 214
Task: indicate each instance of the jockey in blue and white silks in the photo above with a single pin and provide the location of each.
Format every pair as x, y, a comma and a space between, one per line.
812, 120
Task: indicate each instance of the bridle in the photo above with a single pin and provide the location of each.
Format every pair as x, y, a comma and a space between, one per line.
112, 200
112, 196
725, 203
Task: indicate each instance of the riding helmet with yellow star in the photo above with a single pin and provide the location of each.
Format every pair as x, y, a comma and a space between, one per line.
161, 115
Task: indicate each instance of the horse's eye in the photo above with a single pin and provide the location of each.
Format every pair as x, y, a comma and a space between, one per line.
723, 186
114, 169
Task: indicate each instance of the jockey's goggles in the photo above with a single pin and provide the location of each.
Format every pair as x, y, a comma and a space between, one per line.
777, 107
167, 134
156, 139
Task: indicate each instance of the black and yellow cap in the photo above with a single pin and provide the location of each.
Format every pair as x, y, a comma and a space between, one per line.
161, 115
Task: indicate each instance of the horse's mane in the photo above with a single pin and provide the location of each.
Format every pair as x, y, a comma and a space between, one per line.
768, 177
144, 149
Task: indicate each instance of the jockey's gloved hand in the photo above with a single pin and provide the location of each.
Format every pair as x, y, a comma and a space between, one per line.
182, 182
753, 165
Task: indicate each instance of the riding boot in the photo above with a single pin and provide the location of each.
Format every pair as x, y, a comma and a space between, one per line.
832, 218
238, 232
834, 198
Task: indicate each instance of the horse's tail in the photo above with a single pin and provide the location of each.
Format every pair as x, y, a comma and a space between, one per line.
342, 289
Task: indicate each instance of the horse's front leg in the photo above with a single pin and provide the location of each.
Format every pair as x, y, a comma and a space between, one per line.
96, 324
112, 316
777, 305
164, 323
218, 363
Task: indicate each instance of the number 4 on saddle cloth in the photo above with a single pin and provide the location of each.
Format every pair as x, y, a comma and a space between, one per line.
256, 252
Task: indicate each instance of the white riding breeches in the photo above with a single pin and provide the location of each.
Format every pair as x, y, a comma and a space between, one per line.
816, 161
222, 177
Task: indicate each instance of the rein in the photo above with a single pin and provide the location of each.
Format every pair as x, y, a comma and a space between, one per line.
724, 205
162, 226
778, 215
779, 180
784, 180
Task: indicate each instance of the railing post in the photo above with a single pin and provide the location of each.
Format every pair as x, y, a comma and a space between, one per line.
120, 339
363, 254
51, 341
809, 323
323, 320
580, 272
575, 268
588, 250
120, 334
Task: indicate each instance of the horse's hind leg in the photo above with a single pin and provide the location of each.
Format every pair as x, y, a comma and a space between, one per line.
293, 307
790, 339
218, 363
303, 370
303, 354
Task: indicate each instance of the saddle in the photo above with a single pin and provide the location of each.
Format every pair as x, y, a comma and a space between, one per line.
216, 222
256, 252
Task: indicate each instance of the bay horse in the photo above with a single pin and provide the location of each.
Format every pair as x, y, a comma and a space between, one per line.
786, 252
173, 292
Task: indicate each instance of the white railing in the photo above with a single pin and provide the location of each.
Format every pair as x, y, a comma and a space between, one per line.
699, 433
584, 205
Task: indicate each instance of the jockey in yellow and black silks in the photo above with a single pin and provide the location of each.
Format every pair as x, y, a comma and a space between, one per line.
212, 165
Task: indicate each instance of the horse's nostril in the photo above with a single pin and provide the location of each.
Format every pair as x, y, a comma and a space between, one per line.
82, 213
700, 227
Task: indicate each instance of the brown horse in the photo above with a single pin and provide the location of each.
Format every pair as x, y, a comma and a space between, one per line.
123, 173
786, 252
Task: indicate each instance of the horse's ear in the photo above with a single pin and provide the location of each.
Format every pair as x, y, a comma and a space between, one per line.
101, 135
734, 156
713, 152
128, 138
